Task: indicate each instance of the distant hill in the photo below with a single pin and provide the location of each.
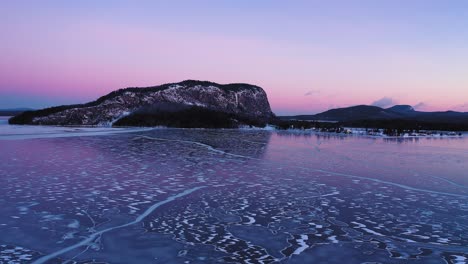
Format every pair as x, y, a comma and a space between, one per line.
13, 111
401, 109
397, 112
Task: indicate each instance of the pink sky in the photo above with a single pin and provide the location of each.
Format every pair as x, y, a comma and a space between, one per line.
63, 56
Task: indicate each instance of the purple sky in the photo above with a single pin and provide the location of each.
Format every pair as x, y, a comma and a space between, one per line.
309, 56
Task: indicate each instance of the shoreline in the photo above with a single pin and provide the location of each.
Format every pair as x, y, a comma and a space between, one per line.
322, 133
12, 132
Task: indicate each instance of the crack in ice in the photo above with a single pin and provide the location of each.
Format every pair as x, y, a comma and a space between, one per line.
93, 236
390, 183
318, 170
211, 148
450, 182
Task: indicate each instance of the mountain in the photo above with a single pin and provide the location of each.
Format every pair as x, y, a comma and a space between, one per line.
357, 112
229, 104
401, 109
397, 112
13, 111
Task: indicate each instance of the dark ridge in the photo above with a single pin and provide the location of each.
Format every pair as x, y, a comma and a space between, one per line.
350, 113
359, 113
27, 117
183, 116
341, 114
13, 111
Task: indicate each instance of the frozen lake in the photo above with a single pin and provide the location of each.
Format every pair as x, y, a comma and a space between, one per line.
208, 196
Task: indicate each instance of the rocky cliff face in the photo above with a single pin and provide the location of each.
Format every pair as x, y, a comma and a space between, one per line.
239, 99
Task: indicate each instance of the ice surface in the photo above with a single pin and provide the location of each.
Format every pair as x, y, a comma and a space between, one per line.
242, 196
97, 234
10, 132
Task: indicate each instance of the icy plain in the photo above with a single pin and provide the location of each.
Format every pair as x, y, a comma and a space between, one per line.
236, 196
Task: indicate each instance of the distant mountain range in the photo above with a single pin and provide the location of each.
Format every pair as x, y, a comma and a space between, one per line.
189, 103
13, 111
397, 112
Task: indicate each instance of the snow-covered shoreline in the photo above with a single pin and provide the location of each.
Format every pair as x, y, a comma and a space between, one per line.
12, 132
361, 132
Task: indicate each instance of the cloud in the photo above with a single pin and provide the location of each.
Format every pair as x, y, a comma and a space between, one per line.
311, 92
385, 102
462, 107
420, 105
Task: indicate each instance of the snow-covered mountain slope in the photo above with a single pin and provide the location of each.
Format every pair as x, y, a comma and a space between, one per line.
240, 99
